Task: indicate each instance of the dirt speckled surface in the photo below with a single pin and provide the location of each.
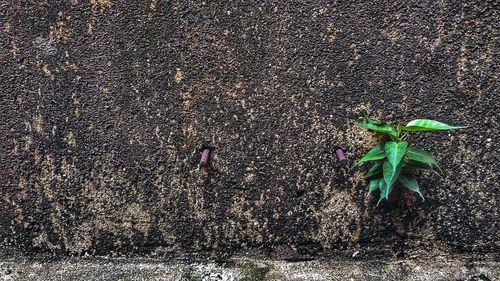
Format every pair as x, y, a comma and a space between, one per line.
106, 106
244, 269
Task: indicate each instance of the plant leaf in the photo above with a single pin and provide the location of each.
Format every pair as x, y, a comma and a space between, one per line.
374, 170
420, 166
429, 125
379, 200
417, 165
395, 152
390, 176
421, 156
381, 128
374, 121
384, 190
374, 185
411, 183
371, 120
376, 153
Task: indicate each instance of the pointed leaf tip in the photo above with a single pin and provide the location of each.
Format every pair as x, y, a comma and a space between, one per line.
411, 183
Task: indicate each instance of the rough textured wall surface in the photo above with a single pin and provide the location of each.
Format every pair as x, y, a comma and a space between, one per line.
106, 104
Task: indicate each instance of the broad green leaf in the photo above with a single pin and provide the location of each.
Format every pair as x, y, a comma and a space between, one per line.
411, 183
374, 185
390, 176
376, 153
420, 166
374, 170
395, 151
429, 125
381, 128
421, 156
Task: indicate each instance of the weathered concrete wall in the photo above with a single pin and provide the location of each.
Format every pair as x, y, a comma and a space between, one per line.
105, 106
134, 269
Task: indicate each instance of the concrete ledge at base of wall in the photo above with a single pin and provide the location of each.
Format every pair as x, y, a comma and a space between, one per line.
80, 269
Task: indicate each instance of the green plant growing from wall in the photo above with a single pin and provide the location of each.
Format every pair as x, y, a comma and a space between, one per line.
395, 158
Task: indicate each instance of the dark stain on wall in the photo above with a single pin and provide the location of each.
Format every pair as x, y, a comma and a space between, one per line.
106, 105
